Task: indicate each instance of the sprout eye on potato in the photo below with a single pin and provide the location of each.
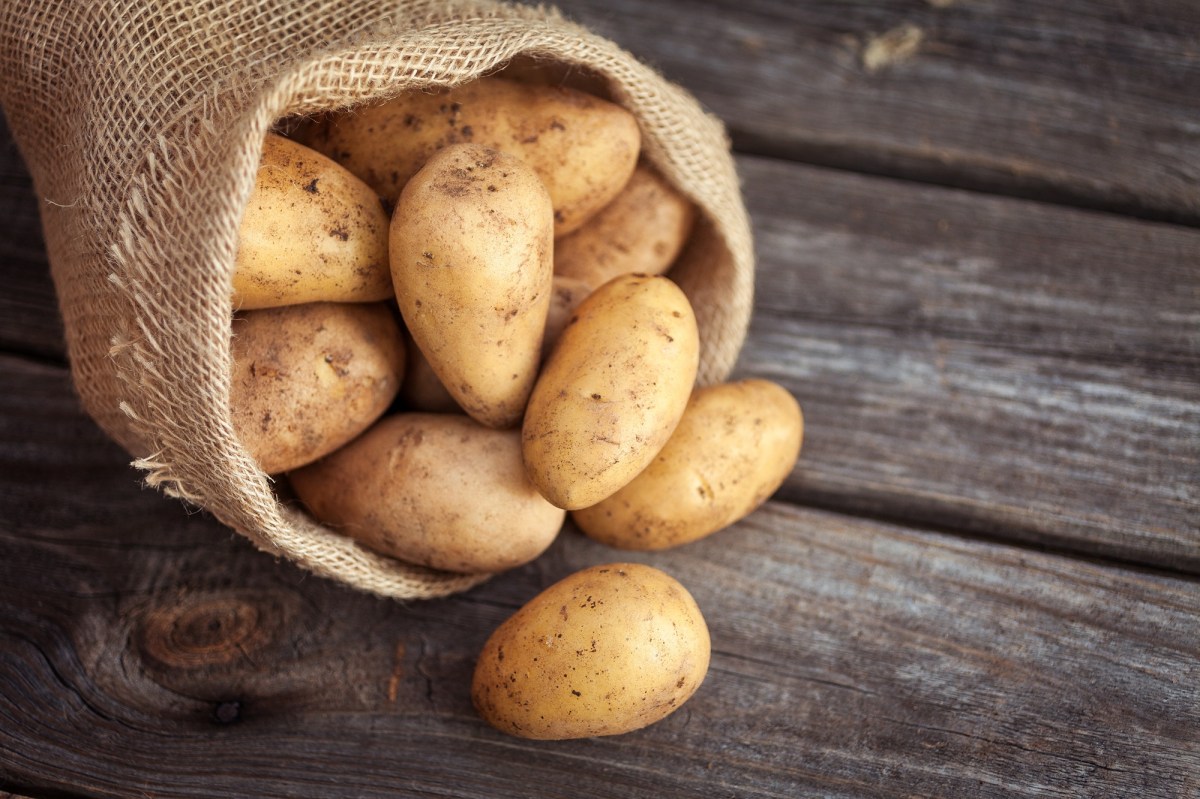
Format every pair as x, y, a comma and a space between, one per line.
525, 254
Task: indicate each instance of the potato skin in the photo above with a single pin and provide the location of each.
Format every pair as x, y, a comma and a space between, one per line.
308, 378
472, 263
642, 230
583, 148
607, 650
612, 391
734, 447
436, 489
312, 232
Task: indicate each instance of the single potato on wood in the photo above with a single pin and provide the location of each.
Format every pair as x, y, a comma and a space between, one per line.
472, 262
734, 447
605, 651
612, 391
583, 148
309, 378
312, 232
642, 230
435, 489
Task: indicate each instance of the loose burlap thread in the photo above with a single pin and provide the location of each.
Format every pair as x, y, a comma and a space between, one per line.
142, 124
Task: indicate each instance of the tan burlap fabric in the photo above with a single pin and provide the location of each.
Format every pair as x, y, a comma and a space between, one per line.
142, 122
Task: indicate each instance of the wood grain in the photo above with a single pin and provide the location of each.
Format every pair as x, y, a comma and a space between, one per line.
981, 363
1082, 101
146, 650
29, 318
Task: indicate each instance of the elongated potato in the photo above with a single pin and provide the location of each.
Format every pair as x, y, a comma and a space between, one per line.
308, 378
583, 148
612, 391
735, 445
604, 651
642, 230
312, 232
471, 255
435, 489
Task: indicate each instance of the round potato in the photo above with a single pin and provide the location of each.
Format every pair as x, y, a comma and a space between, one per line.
308, 378
612, 391
472, 263
583, 148
605, 651
734, 447
434, 489
312, 232
642, 230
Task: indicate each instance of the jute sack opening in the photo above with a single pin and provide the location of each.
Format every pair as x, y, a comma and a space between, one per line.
142, 123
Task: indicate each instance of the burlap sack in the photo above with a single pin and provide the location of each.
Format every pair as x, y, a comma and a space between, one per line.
142, 122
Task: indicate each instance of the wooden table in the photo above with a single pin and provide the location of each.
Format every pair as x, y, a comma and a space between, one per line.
979, 272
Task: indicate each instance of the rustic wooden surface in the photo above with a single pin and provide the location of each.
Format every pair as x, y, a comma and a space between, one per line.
979, 273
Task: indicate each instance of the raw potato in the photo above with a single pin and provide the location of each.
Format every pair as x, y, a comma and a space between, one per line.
734, 447
472, 262
612, 391
309, 378
312, 232
567, 294
433, 489
642, 230
583, 148
605, 651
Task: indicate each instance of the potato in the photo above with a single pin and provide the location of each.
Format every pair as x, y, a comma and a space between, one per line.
434, 489
607, 650
583, 148
565, 298
612, 391
472, 263
642, 230
309, 378
734, 447
312, 232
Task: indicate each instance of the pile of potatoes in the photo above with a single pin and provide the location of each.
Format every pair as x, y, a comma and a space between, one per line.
451, 327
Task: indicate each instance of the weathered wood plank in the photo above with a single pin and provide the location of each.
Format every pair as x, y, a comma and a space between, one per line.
146, 651
861, 252
984, 363
1075, 455
1081, 101
29, 318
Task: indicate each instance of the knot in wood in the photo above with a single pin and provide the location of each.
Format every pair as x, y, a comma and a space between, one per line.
199, 632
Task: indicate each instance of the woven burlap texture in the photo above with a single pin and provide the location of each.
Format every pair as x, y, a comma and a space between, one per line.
142, 124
